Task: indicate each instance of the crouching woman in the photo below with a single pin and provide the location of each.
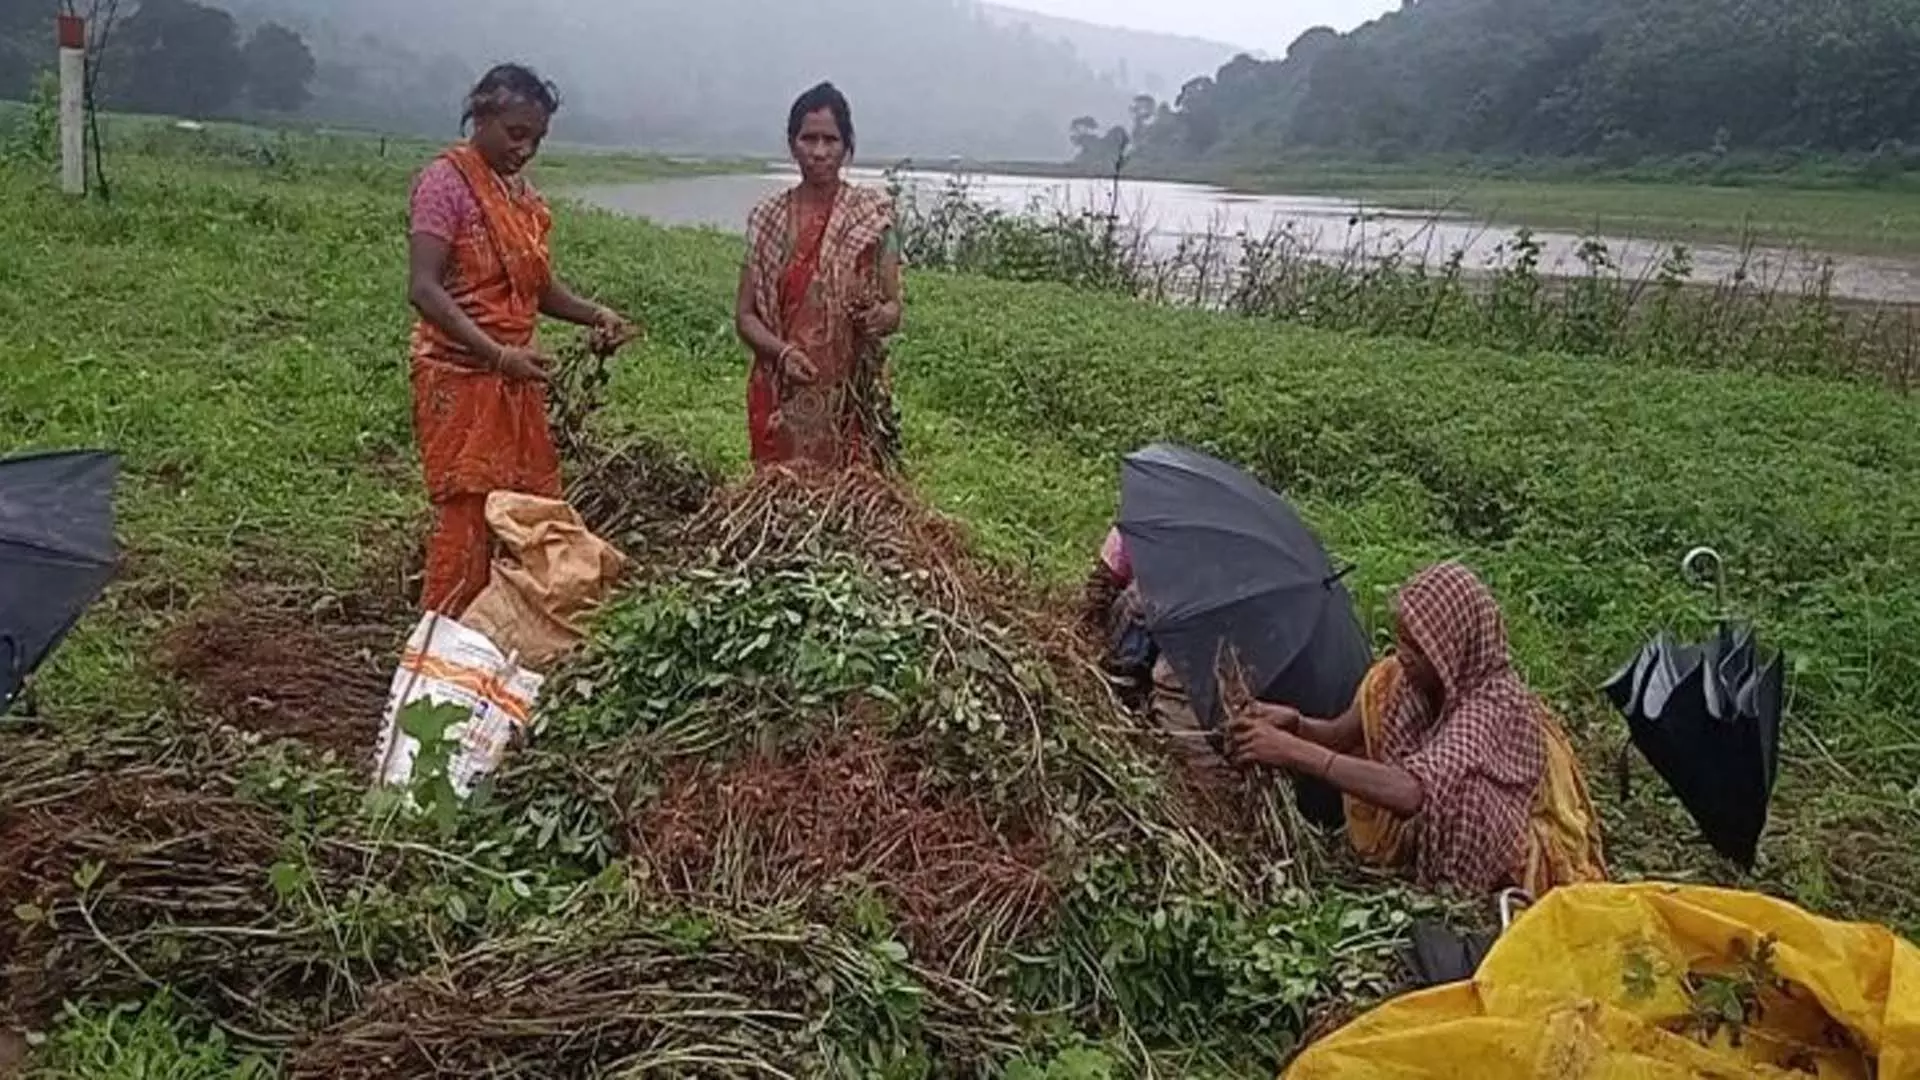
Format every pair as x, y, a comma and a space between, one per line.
1451, 767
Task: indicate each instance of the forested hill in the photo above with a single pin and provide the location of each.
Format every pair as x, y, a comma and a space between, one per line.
1615, 79
927, 77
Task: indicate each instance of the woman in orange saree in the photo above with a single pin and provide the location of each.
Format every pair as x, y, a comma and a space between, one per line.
480, 277
819, 295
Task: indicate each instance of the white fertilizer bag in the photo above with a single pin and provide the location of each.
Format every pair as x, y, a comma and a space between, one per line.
446, 663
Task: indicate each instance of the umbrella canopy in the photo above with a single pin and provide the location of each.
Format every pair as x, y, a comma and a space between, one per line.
1707, 718
57, 552
1223, 563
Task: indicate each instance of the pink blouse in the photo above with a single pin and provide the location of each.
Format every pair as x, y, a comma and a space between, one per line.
1114, 553
443, 204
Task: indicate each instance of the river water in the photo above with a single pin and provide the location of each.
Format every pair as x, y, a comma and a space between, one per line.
1329, 228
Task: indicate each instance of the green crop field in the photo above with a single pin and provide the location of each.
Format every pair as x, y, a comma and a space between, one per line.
235, 325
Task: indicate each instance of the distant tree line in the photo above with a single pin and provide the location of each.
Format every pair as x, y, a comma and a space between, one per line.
176, 57
1616, 80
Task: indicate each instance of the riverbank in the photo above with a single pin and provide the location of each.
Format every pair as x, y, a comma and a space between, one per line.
1778, 211
1863, 221
243, 340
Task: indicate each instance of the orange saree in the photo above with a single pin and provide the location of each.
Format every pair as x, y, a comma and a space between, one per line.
478, 431
813, 272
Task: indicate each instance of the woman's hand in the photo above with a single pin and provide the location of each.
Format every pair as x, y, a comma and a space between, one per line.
523, 364
878, 320
611, 332
796, 367
1264, 734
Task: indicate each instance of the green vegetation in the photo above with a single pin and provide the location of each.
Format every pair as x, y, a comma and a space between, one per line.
28, 132
145, 1040
242, 343
1708, 87
1760, 318
562, 169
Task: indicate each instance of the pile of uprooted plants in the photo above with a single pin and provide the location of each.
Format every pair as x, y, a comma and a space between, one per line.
823, 796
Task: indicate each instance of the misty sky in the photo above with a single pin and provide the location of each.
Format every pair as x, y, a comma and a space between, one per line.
1267, 25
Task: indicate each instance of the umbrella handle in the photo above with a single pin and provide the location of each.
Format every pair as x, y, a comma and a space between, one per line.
1703, 565
11, 650
1512, 902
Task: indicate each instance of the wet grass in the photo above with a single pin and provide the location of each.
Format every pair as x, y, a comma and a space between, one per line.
236, 328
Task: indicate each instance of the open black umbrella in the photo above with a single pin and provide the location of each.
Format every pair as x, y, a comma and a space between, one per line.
1224, 564
1707, 718
57, 552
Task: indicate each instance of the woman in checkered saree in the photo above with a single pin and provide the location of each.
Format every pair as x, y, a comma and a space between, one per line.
1449, 764
818, 298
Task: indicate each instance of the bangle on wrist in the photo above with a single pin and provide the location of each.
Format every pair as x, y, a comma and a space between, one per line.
1326, 766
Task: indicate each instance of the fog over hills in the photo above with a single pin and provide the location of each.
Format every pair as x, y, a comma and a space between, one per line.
1138, 60
927, 77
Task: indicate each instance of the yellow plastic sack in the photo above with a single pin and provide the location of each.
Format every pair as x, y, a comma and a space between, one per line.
1593, 984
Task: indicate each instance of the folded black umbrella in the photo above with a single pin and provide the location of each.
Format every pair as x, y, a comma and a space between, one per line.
57, 552
1226, 566
1441, 956
1707, 718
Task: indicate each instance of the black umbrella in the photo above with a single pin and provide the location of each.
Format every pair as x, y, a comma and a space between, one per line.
1440, 955
57, 552
1707, 718
1225, 565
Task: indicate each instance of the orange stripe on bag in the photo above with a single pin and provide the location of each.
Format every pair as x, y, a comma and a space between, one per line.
472, 680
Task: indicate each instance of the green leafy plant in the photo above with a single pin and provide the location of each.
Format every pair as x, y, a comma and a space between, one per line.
148, 1040
1733, 1001
431, 784
35, 135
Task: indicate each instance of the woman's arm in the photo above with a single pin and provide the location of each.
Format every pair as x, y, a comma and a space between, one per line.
1254, 739
747, 322
1387, 786
766, 344
612, 331
426, 263
1343, 733
883, 318
560, 302
427, 291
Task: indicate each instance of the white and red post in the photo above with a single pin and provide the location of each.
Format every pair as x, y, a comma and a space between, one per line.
73, 96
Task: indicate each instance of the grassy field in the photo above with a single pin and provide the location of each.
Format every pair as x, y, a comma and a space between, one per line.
147, 137
236, 325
